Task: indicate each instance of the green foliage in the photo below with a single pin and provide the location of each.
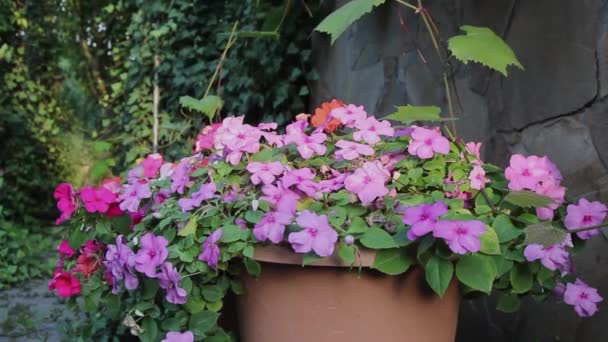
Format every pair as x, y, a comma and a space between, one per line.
338, 21
392, 261
481, 45
544, 234
209, 105
476, 271
438, 273
408, 114
527, 199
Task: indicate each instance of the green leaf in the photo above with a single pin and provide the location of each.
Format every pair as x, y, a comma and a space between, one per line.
476, 271
528, 199
489, 242
232, 232
202, 322
310, 258
357, 226
438, 273
347, 253
212, 293
505, 229
408, 114
339, 20
377, 238
150, 330
483, 46
392, 261
253, 216
248, 251
521, 278
189, 228
508, 302
265, 155
77, 238
253, 267
544, 234
209, 105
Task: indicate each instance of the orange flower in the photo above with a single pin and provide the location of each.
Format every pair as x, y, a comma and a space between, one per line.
322, 113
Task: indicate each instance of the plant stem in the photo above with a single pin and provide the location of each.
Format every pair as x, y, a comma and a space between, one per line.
584, 229
407, 4
229, 43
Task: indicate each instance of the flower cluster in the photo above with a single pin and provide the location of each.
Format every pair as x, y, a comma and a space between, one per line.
337, 180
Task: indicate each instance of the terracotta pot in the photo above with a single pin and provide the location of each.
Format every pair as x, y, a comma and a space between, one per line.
326, 302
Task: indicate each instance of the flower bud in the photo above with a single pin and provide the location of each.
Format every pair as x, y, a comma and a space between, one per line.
349, 239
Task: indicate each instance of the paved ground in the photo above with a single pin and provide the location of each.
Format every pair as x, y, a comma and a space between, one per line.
31, 313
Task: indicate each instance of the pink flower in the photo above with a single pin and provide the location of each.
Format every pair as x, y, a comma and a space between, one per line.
477, 177
65, 249
280, 198
368, 182
351, 150
65, 283
153, 253
272, 226
211, 252
152, 165
176, 336
112, 184
423, 218
204, 141
66, 201
97, 200
92, 247
585, 214
316, 235
333, 184
308, 145
205, 192
349, 115
556, 193
528, 173
426, 142
265, 172
180, 178
553, 257
132, 196
302, 179
461, 236
169, 279
474, 149
370, 130
583, 297
236, 138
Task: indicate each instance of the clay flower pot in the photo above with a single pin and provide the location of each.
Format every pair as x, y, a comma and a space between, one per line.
325, 301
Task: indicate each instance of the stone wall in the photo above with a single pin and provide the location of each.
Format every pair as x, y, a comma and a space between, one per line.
557, 106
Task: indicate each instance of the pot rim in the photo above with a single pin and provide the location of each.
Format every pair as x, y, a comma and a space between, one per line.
281, 254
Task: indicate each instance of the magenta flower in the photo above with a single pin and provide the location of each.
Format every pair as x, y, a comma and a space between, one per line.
351, 150
585, 214
280, 198
529, 172
477, 177
211, 252
169, 279
180, 178
316, 235
461, 236
205, 140
132, 196
272, 226
205, 192
583, 297
153, 253
176, 336
308, 145
368, 182
370, 130
553, 257
426, 142
349, 115
66, 201
97, 200
120, 264
265, 172
65, 249
556, 193
302, 179
66, 284
152, 165
423, 218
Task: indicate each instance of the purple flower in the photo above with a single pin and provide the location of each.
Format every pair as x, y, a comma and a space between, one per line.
307, 145
423, 218
426, 142
333, 184
349, 115
368, 182
303, 180
211, 252
281, 198
553, 257
119, 264
169, 279
477, 177
272, 226
205, 192
351, 150
265, 172
132, 196
176, 336
528, 172
153, 253
316, 235
556, 193
370, 130
585, 214
583, 297
461, 236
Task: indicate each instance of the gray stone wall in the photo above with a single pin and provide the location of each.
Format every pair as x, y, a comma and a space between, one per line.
557, 106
